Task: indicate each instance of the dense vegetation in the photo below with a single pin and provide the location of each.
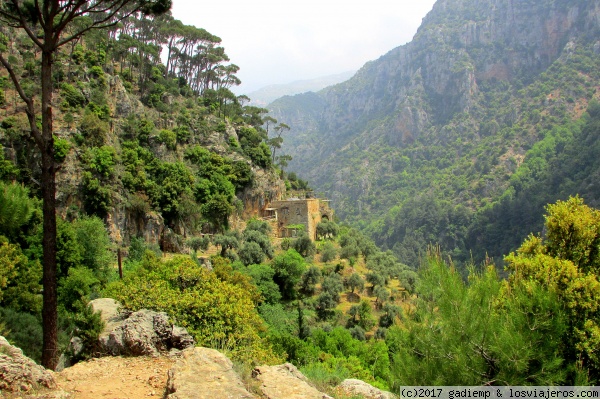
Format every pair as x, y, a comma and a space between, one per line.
73, 116
148, 158
344, 310
181, 158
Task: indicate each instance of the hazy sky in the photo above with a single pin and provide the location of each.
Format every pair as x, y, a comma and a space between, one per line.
278, 41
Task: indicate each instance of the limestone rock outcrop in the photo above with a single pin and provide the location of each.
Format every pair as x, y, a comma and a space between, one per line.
285, 382
205, 373
18, 373
352, 387
142, 333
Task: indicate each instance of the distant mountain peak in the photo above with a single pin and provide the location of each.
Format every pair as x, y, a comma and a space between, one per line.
268, 94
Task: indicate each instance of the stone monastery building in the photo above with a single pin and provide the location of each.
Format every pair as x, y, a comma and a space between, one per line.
288, 217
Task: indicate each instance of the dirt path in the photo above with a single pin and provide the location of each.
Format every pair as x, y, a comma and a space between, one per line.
116, 378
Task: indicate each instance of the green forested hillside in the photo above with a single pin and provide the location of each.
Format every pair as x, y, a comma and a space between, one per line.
433, 141
138, 149
132, 134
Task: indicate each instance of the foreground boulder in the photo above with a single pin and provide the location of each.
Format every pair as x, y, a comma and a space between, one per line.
205, 373
18, 373
142, 333
352, 387
285, 382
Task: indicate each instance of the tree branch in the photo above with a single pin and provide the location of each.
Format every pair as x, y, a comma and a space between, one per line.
30, 110
23, 23
109, 20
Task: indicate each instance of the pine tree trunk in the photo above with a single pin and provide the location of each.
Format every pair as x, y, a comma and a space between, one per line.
49, 310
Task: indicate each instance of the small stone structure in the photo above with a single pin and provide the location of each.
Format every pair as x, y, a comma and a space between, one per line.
291, 215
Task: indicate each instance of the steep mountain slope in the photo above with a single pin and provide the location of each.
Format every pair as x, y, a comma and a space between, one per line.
418, 142
158, 151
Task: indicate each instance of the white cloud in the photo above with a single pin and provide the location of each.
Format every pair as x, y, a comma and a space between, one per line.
280, 42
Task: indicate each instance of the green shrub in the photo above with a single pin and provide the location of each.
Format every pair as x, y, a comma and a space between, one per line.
95, 245
72, 96
8, 171
16, 208
145, 128
286, 244
94, 130
262, 276
355, 282
96, 72
261, 239
327, 230
304, 246
328, 252
20, 278
100, 110
168, 138
294, 349
61, 149
24, 331
75, 289
251, 253
310, 279
100, 161
196, 243
217, 313
87, 325
183, 134
289, 268
97, 197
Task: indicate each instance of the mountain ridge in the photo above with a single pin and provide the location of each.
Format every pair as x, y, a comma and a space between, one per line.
473, 72
267, 94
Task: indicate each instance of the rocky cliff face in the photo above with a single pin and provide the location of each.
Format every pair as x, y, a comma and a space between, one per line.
132, 214
408, 97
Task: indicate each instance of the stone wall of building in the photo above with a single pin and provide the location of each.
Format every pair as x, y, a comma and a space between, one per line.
294, 212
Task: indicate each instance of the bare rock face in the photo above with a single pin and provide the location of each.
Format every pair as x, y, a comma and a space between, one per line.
205, 373
125, 104
18, 373
285, 382
360, 388
142, 333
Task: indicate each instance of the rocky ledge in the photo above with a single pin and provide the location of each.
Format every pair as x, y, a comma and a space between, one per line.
197, 372
18, 373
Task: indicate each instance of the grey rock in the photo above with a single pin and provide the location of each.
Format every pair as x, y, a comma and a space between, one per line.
360, 388
125, 104
76, 345
205, 373
180, 338
285, 382
109, 310
142, 333
67, 359
18, 373
135, 336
